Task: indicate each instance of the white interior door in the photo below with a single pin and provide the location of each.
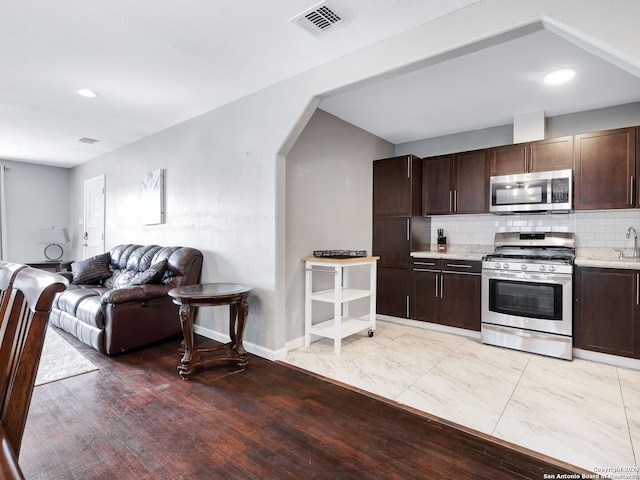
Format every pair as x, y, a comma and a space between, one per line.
94, 206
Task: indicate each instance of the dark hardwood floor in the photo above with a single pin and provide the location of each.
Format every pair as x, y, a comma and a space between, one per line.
135, 418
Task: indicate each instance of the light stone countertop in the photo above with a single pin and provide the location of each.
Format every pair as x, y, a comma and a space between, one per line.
459, 252
606, 258
585, 257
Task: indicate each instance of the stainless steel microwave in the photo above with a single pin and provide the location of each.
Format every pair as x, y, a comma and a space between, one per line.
537, 192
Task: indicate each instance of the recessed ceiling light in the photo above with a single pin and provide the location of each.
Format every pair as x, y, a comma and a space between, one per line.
560, 76
85, 92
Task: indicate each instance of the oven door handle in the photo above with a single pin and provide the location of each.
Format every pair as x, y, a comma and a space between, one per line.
515, 276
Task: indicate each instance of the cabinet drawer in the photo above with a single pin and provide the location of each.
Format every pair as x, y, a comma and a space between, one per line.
447, 265
426, 264
461, 266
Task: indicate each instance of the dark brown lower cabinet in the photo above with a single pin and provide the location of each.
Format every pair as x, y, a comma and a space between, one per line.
606, 311
393, 290
447, 292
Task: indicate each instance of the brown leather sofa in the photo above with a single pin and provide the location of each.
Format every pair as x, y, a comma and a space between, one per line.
118, 301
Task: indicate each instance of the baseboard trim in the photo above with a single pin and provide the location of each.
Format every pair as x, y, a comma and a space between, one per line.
613, 360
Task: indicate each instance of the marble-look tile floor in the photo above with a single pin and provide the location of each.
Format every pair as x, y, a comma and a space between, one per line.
581, 412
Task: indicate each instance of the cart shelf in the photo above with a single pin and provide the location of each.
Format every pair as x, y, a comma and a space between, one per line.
341, 325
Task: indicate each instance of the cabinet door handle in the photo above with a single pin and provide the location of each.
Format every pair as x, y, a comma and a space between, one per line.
408, 230
441, 285
424, 264
409, 167
631, 182
455, 200
436, 282
530, 158
637, 288
408, 313
450, 201
459, 265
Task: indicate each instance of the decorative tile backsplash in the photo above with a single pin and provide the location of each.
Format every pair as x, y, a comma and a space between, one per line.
593, 229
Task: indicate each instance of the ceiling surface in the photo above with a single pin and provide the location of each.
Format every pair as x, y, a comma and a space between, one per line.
486, 88
156, 63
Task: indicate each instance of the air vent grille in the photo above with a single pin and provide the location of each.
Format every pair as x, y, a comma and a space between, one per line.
318, 19
89, 141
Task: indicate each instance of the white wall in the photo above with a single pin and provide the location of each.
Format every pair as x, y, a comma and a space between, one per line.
37, 196
225, 170
328, 200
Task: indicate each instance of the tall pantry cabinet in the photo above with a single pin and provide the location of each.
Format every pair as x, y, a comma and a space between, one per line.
398, 229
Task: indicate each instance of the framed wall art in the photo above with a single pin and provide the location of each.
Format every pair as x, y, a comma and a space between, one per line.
152, 197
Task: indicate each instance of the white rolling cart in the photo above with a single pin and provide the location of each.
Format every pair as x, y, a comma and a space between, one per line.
341, 325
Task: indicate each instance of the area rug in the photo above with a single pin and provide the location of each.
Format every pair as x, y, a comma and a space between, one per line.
60, 360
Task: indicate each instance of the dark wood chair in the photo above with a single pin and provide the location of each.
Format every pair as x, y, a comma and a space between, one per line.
7, 275
8, 272
24, 312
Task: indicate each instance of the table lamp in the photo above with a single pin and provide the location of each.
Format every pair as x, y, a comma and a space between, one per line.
53, 237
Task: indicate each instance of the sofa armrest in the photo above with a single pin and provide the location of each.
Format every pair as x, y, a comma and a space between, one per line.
135, 294
9, 467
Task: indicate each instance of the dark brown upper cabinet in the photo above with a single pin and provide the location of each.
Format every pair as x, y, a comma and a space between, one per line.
605, 170
540, 156
456, 183
397, 189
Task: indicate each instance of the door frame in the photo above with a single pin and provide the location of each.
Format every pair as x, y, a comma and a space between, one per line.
94, 188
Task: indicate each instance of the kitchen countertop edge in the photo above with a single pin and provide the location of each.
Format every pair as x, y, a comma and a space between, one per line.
475, 256
623, 263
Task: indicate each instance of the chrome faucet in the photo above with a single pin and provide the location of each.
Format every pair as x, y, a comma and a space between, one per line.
635, 240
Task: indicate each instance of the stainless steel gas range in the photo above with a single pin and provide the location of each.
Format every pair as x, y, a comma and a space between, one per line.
527, 293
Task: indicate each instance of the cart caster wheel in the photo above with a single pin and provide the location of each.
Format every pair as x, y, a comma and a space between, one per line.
371, 332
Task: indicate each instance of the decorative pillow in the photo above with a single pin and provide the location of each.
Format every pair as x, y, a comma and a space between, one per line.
111, 281
92, 270
153, 274
124, 278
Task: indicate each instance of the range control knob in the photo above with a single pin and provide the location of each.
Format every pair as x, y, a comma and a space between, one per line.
498, 265
552, 268
543, 268
523, 267
506, 265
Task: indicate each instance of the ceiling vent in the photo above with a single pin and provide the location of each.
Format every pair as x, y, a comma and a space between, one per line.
319, 19
89, 141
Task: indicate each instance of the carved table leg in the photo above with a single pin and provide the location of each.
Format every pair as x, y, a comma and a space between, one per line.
242, 312
190, 355
233, 313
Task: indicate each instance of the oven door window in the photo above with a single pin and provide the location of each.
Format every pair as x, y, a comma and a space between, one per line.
526, 299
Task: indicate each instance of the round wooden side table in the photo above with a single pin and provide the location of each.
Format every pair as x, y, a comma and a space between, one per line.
212, 295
